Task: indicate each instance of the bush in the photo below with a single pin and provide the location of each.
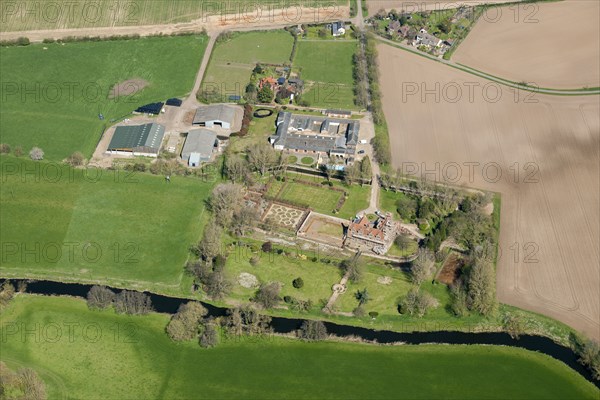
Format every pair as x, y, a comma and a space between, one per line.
100, 297
288, 299
298, 283
129, 302
373, 314
76, 159
18, 151
4, 148
267, 247
7, 292
36, 154
268, 295
359, 311
210, 336
184, 324
254, 260
312, 330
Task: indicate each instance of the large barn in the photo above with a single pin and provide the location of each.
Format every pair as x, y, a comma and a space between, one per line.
199, 146
215, 115
139, 140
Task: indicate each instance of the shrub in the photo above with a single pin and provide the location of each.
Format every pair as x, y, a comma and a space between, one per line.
359, 311
268, 295
210, 336
312, 330
76, 159
254, 261
373, 314
18, 151
298, 283
288, 299
4, 148
267, 247
184, 324
100, 297
36, 154
129, 302
7, 292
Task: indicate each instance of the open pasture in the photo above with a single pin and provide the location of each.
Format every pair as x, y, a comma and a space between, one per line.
540, 152
151, 366
55, 102
122, 228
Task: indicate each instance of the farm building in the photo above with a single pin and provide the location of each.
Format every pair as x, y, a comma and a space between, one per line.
306, 133
338, 113
174, 102
222, 115
199, 146
338, 29
152, 108
139, 140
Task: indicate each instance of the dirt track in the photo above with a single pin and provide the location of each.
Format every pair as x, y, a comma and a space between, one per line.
552, 45
550, 209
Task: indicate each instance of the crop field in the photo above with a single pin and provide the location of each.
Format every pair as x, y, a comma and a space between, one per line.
97, 225
55, 104
82, 366
32, 15
539, 152
326, 68
554, 55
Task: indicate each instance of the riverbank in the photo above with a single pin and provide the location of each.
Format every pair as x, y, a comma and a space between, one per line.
80, 362
282, 325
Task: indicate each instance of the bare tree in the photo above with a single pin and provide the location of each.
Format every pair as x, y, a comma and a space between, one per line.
7, 292
4, 148
210, 245
100, 297
184, 324
312, 330
366, 171
481, 288
417, 302
217, 285
351, 173
244, 220
236, 167
245, 320
268, 295
225, 199
423, 267
352, 268
261, 156
209, 336
36, 154
76, 159
130, 302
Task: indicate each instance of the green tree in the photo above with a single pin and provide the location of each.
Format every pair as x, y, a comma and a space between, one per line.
265, 95
362, 296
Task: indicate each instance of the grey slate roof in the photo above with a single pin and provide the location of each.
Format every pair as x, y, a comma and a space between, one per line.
295, 132
216, 112
201, 141
145, 138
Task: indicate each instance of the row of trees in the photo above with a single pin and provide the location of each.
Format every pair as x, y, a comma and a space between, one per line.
75, 160
124, 302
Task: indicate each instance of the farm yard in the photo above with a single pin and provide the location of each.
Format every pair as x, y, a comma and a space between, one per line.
539, 152
572, 61
143, 346
55, 105
123, 228
326, 68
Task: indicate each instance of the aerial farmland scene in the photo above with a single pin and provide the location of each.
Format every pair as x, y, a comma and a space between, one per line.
308, 199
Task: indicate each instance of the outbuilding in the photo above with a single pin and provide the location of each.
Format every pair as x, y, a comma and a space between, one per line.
199, 146
210, 116
137, 140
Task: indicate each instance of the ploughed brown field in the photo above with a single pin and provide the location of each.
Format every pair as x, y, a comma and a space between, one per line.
553, 45
541, 153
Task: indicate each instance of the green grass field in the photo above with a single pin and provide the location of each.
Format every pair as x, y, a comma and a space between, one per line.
54, 103
63, 14
126, 230
326, 67
232, 61
118, 356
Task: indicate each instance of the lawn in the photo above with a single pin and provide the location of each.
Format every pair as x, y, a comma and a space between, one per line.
109, 226
33, 14
321, 198
272, 267
329, 80
260, 130
129, 357
54, 103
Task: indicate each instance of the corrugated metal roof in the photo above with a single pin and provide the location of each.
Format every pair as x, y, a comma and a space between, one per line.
147, 137
216, 112
201, 141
